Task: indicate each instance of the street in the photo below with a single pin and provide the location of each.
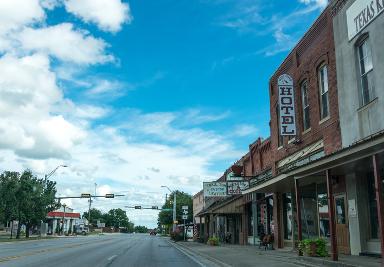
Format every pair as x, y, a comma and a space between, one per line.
107, 250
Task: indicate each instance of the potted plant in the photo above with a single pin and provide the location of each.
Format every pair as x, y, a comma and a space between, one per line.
300, 248
313, 247
213, 241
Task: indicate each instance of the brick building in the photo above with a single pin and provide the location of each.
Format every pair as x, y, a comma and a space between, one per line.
231, 218
312, 66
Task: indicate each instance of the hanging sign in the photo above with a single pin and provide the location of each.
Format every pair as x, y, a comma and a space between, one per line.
286, 105
231, 176
215, 189
236, 188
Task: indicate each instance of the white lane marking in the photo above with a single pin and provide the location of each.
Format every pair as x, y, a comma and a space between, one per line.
112, 257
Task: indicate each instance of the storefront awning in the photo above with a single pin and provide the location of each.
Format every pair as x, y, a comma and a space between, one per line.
284, 182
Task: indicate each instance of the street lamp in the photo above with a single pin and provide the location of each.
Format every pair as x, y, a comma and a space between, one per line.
62, 226
174, 207
52, 172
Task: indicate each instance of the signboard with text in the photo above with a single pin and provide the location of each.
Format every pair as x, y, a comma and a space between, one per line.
286, 106
233, 177
236, 188
215, 189
361, 13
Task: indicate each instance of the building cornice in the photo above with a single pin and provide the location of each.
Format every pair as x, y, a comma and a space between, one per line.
337, 6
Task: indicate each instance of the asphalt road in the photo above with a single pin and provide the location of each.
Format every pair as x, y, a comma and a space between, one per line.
124, 250
107, 250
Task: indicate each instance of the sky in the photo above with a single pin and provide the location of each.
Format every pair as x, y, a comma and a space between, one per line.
133, 95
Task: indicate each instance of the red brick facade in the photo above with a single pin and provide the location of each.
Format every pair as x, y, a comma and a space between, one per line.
259, 157
315, 49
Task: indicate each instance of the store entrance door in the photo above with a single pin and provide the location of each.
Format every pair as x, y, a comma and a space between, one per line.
342, 230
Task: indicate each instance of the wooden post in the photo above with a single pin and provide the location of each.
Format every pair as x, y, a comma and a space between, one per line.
379, 200
331, 214
298, 211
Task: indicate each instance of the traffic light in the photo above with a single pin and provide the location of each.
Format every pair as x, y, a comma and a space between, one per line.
83, 195
109, 195
155, 207
137, 207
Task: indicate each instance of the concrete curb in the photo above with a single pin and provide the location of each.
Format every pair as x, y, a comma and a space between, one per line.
203, 258
283, 257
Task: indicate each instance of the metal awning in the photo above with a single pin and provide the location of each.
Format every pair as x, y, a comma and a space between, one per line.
365, 148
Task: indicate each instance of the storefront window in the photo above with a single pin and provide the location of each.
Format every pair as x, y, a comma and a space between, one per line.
287, 216
373, 218
309, 211
322, 202
250, 219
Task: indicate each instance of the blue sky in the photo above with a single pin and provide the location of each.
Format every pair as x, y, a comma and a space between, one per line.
135, 94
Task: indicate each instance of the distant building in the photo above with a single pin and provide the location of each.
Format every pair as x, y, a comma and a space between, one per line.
62, 221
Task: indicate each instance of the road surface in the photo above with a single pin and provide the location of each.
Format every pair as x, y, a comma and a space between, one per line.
113, 250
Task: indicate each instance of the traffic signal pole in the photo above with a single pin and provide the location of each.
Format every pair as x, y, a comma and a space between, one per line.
174, 211
89, 214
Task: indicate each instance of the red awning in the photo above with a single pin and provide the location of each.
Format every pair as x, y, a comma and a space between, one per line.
60, 214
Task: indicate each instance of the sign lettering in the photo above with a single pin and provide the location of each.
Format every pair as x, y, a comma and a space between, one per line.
286, 105
236, 188
361, 13
215, 189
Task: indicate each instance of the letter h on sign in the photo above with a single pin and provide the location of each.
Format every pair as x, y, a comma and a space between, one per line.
286, 106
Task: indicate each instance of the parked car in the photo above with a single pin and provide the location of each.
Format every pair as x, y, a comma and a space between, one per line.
153, 232
81, 230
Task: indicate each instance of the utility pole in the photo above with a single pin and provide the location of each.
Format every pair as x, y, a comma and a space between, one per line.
89, 213
174, 211
62, 226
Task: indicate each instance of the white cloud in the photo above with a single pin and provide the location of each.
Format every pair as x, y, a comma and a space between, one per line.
319, 3
50, 4
245, 130
106, 87
65, 43
28, 91
109, 15
16, 13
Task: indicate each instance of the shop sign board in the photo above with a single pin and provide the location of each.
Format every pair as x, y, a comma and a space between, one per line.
286, 106
361, 13
236, 188
232, 177
215, 189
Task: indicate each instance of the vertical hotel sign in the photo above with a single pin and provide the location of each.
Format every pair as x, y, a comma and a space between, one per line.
286, 105
361, 13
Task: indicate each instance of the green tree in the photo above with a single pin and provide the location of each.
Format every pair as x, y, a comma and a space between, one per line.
35, 198
8, 186
95, 216
117, 218
26, 198
182, 199
141, 229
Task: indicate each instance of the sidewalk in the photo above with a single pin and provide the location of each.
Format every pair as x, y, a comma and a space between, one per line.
232, 255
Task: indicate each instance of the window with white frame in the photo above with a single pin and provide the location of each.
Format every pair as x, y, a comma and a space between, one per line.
305, 105
366, 72
324, 96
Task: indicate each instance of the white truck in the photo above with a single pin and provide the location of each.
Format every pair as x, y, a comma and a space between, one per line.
81, 229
